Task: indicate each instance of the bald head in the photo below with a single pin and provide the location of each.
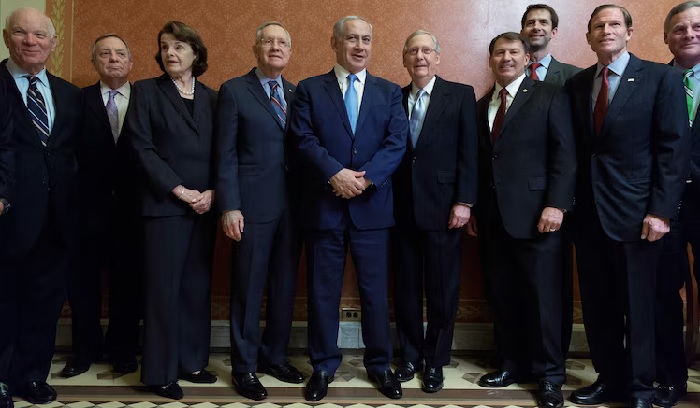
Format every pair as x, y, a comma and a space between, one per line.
30, 37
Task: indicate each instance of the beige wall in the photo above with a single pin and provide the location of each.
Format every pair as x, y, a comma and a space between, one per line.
6, 6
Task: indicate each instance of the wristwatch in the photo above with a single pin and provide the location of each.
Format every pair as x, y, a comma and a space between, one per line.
6, 204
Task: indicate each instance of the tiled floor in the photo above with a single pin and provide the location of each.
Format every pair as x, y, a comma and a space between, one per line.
100, 387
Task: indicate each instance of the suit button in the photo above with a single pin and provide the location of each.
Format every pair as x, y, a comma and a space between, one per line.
494, 157
354, 150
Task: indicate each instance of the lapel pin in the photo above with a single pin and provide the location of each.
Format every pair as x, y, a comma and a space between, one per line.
630, 79
524, 90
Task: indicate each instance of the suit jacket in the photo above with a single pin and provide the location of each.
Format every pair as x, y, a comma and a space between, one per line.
107, 171
46, 178
172, 147
639, 163
6, 156
559, 72
320, 123
251, 148
532, 164
441, 170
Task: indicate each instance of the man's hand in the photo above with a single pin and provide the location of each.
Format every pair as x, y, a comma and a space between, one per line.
459, 216
202, 203
232, 222
2, 207
653, 227
347, 183
550, 220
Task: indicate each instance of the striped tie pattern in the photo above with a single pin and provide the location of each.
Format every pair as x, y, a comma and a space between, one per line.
113, 114
688, 85
37, 108
275, 100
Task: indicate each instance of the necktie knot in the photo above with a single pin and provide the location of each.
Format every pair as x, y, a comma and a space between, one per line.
352, 78
688, 73
604, 73
32, 81
113, 93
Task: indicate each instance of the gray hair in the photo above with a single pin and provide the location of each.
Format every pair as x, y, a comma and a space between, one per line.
436, 44
677, 10
339, 26
261, 27
110, 35
10, 19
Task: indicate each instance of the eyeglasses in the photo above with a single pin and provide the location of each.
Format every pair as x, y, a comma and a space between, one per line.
425, 51
268, 42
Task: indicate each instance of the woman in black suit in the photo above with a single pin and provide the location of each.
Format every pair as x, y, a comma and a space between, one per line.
170, 125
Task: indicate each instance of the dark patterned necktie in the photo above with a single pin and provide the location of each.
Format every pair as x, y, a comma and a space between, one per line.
37, 108
500, 116
601, 103
275, 100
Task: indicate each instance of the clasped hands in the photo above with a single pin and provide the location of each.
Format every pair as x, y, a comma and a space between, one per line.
349, 183
199, 202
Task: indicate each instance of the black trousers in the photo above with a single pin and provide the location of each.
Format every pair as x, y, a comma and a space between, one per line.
32, 293
618, 284
268, 254
178, 259
426, 262
523, 279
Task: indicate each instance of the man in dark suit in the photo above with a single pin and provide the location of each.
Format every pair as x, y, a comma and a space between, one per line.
682, 35
434, 189
632, 142
351, 130
527, 166
539, 24
40, 236
252, 185
107, 204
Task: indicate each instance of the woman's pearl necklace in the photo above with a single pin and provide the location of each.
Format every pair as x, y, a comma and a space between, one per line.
194, 79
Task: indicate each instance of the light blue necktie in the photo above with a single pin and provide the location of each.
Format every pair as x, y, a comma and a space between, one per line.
113, 114
351, 102
417, 116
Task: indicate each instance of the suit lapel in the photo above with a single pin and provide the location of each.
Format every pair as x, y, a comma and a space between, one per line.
553, 72
628, 83
26, 119
288, 97
583, 93
438, 103
256, 88
93, 99
523, 94
367, 96
483, 120
168, 88
336, 97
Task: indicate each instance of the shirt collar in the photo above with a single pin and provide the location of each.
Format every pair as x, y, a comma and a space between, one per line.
428, 88
18, 73
511, 88
342, 73
545, 61
618, 66
124, 90
264, 79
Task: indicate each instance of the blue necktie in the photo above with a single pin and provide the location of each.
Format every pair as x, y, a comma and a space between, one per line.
351, 102
276, 101
37, 108
417, 115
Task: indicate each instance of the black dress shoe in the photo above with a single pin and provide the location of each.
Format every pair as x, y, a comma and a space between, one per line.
202, 377
74, 368
433, 380
667, 396
500, 378
36, 392
248, 385
640, 403
5, 396
285, 373
125, 365
317, 387
595, 394
407, 370
548, 395
387, 383
171, 391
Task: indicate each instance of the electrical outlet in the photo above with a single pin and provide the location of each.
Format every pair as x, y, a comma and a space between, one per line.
350, 314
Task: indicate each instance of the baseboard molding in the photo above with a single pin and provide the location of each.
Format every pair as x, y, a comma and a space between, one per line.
469, 337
